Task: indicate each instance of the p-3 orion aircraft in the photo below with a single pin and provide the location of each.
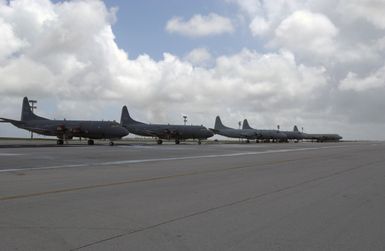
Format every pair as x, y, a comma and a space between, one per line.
266, 134
67, 129
244, 133
164, 131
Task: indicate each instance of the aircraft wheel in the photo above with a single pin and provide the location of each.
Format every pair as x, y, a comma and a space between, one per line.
199, 142
59, 142
111, 143
159, 141
177, 141
90, 142
247, 141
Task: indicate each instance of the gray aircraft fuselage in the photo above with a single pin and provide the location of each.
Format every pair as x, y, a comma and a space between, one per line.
164, 131
293, 135
236, 133
265, 134
223, 130
321, 137
67, 129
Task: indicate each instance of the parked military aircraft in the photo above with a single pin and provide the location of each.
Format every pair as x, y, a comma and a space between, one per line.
164, 131
319, 137
294, 135
223, 130
67, 129
266, 134
322, 137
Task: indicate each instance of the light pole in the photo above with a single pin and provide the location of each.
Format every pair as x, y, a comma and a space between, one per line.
33, 106
184, 119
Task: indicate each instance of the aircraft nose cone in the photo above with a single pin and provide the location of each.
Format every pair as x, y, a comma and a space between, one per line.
121, 132
210, 133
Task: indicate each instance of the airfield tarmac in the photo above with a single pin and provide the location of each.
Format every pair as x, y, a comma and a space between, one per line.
132, 196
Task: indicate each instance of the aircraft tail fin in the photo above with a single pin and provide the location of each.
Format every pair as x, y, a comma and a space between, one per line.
26, 112
125, 118
295, 129
218, 124
246, 124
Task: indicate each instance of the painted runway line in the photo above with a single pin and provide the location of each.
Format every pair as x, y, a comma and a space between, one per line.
11, 154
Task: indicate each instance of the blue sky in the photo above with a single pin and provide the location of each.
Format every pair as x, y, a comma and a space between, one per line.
140, 28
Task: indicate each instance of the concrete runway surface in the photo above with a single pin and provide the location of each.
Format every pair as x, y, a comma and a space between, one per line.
305, 196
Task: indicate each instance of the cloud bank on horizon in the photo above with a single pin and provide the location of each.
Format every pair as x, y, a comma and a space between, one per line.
321, 65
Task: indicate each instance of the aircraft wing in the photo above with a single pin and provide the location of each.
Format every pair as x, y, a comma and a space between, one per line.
248, 134
38, 130
151, 133
170, 132
162, 133
214, 130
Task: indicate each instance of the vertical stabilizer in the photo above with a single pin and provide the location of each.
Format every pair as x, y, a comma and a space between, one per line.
295, 129
125, 118
218, 124
26, 112
246, 125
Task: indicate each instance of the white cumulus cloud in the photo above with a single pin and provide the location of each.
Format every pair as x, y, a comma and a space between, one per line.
376, 80
199, 26
9, 42
82, 66
65, 53
370, 10
259, 26
198, 56
307, 32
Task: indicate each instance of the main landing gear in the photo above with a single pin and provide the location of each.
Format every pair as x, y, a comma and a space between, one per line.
159, 141
60, 142
90, 142
177, 141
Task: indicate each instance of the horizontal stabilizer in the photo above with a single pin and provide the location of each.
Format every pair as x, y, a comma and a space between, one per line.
4, 120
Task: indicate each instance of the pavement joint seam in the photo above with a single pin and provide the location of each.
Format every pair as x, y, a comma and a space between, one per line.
258, 196
103, 185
